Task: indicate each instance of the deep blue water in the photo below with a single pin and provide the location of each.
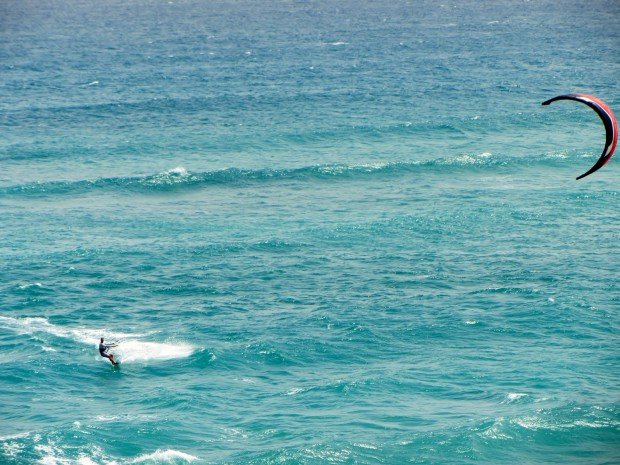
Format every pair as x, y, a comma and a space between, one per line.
324, 232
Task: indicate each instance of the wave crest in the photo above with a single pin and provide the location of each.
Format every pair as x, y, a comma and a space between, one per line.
180, 178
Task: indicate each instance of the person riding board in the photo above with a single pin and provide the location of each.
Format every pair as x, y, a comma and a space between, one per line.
103, 351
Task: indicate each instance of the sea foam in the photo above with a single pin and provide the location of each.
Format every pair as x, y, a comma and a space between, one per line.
164, 456
141, 351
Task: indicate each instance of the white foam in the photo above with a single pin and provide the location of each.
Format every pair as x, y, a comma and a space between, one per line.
537, 423
561, 154
32, 325
534, 423
178, 171
11, 449
51, 455
83, 460
54, 454
169, 177
25, 434
468, 159
26, 286
496, 430
164, 456
141, 351
366, 446
514, 396
107, 418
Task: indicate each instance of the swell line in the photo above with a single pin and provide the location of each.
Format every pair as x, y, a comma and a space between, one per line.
179, 178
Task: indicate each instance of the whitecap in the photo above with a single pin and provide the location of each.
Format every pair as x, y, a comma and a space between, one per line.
11, 449
84, 460
178, 171
468, 159
25, 434
533, 423
107, 418
27, 286
31, 325
168, 455
51, 455
496, 430
170, 177
561, 154
234, 432
366, 446
513, 396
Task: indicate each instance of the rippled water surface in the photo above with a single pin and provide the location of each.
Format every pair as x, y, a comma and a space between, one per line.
323, 232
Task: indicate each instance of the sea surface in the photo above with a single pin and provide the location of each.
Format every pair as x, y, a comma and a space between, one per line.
324, 232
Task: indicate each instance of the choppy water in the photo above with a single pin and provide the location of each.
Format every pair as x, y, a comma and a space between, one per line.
325, 232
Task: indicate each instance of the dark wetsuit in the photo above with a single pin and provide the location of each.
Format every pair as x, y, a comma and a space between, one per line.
103, 349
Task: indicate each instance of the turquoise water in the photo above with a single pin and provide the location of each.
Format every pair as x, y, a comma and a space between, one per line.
324, 232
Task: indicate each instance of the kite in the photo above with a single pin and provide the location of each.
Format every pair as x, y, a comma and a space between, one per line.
609, 120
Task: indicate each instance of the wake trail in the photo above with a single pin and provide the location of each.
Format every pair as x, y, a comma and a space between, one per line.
131, 348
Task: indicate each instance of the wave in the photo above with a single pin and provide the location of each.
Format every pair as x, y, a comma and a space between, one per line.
559, 420
72, 444
522, 436
131, 348
164, 456
180, 178
29, 447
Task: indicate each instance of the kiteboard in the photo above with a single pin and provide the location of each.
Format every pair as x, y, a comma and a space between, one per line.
117, 357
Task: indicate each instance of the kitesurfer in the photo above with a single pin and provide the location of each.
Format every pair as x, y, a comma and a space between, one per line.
103, 351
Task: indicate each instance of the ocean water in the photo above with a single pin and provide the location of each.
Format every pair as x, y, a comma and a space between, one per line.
324, 232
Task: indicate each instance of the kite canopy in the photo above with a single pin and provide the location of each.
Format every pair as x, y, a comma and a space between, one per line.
609, 120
